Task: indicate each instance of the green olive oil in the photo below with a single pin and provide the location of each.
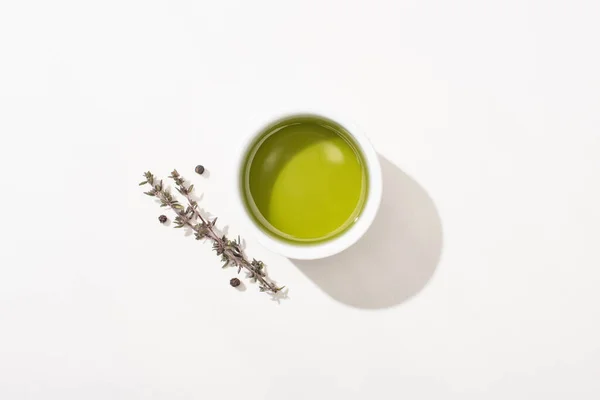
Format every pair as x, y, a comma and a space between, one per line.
305, 180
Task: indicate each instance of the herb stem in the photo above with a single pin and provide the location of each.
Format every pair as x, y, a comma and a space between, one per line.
237, 255
229, 250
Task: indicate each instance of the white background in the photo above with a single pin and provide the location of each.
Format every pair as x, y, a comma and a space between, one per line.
479, 280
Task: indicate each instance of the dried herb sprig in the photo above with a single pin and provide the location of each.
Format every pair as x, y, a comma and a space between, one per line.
230, 251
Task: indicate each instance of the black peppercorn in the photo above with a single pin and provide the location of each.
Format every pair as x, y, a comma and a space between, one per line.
199, 169
162, 219
235, 282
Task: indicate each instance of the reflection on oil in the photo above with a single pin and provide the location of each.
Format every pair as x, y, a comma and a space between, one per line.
333, 153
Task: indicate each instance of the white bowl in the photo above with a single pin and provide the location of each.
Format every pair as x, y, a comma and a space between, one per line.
340, 242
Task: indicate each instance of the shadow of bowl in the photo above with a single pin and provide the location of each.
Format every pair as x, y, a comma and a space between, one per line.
396, 257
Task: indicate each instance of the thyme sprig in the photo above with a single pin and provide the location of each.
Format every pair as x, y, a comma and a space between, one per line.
230, 251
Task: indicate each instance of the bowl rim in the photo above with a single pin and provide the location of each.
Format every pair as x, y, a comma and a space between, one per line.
343, 240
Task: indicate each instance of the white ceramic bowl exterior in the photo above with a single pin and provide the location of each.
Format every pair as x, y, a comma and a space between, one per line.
337, 244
